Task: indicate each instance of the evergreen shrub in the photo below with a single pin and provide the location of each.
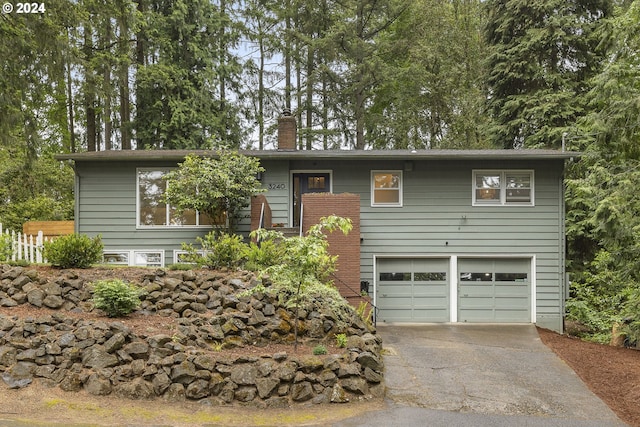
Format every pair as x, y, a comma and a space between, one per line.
73, 251
116, 297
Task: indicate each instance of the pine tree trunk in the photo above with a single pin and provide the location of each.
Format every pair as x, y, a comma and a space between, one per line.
89, 91
72, 125
107, 92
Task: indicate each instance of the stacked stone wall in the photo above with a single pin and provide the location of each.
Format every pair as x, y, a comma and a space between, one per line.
105, 356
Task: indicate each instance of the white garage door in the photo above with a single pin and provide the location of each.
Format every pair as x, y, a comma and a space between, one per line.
412, 290
494, 290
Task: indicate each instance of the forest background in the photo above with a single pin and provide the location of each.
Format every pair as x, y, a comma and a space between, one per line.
90, 75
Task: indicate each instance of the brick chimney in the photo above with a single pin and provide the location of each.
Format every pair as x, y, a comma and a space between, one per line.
287, 131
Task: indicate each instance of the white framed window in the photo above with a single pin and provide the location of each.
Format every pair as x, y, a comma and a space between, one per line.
148, 258
386, 188
116, 257
153, 211
503, 187
134, 257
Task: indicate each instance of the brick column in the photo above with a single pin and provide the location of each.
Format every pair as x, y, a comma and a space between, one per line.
318, 205
256, 208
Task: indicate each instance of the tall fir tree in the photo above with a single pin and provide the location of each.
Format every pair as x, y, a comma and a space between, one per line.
183, 69
541, 58
432, 91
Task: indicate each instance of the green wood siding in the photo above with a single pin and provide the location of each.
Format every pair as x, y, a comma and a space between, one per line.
278, 177
107, 206
437, 216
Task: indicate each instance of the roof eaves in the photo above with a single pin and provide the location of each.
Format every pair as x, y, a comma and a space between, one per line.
177, 155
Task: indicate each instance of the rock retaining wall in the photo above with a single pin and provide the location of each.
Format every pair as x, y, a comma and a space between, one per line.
106, 356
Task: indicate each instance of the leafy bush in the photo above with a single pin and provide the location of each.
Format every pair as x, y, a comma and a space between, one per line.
73, 251
216, 186
6, 250
304, 261
602, 296
630, 314
319, 349
365, 313
341, 340
304, 265
218, 250
265, 254
179, 266
19, 263
115, 297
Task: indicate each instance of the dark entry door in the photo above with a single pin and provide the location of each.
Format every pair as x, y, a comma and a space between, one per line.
307, 182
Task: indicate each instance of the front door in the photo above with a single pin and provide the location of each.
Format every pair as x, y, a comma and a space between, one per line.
307, 182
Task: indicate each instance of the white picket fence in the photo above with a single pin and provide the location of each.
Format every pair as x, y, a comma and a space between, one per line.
26, 247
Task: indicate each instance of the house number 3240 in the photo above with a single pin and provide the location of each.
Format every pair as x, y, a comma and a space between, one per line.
279, 186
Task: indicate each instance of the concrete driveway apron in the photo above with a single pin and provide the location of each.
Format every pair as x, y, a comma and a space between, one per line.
475, 375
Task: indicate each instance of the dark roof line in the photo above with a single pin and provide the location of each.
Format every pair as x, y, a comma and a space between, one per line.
176, 155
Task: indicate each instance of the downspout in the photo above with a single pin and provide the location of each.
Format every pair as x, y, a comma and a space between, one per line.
564, 284
76, 198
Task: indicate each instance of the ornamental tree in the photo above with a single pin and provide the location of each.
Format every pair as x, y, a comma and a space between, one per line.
219, 187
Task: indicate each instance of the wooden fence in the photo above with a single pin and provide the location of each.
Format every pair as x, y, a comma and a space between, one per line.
49, 229
25, 246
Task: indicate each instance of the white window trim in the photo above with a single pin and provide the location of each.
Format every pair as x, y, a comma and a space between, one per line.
131, 253
503, 198
400, 189
160, 227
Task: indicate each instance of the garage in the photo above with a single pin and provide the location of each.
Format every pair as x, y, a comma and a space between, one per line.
412, 290
494, 290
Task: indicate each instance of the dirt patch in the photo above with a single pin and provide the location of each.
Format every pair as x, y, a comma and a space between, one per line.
612, 373
39, 405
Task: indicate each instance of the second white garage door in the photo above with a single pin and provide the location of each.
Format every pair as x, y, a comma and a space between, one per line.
494, 290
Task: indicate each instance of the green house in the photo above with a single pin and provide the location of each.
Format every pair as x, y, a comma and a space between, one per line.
439, 236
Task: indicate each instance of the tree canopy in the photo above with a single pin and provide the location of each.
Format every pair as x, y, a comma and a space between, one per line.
218, 187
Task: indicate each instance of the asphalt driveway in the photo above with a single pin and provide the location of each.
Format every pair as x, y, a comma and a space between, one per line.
475, 375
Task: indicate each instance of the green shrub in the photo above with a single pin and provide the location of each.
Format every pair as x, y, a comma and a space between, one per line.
319, 349
219, 250
262, 255
181, 266
365, 313
341, 340
73, 251
19, 263
115, 297
6, 250
630, 314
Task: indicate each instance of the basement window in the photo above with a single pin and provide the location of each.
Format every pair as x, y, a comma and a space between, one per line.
134, 258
